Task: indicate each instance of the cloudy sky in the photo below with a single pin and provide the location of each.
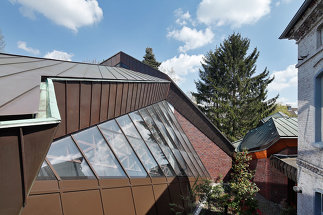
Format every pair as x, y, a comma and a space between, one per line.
180, 33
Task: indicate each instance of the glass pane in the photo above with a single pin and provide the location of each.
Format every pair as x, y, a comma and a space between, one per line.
158, 136
161, 158
126, 155
141, 126
98, 153
145, 157
111, 126
127, 126
164, 132
177, 138
169, 112
68, 161
45, 173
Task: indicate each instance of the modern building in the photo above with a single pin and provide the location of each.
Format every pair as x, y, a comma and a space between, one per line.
79, 138
306, 28
271, 145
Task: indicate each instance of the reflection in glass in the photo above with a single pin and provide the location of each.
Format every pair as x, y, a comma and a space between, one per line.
163, 130
98, 153
123, 151
127, 126
151, 143
68, 161
166, 106
158, 136
145, 156
45, 173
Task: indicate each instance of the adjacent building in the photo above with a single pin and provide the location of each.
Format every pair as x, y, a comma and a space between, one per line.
115, 138
306, 28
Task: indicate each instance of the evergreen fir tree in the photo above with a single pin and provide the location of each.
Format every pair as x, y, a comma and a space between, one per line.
229, 92
150, 60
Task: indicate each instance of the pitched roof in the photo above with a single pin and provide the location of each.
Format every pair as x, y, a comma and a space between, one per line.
20, 78
269, 133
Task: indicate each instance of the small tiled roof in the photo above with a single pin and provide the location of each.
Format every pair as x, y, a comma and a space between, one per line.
270, 132
20, 78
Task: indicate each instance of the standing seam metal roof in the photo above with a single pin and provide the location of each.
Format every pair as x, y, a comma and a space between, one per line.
269, 133
20, 77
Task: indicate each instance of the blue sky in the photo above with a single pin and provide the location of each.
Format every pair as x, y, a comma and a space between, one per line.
180, 33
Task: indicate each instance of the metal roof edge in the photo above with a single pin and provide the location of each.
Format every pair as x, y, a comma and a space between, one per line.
52, 115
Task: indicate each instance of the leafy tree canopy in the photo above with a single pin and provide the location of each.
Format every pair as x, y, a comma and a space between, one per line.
229, 92
150, 59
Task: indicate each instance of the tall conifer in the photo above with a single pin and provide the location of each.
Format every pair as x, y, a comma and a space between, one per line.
150, 59
229, 92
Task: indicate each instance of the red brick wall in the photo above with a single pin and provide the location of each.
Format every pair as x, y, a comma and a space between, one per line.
216, 161
271, 182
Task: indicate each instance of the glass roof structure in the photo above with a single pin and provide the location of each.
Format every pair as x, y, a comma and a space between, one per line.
145, 143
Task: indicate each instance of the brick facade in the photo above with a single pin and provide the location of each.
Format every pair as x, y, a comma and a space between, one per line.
271, 182
215, 160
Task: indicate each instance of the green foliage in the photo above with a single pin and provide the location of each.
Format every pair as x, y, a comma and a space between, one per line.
283, 109
229, 92
235, 197
150, 60
242, 188
2, 42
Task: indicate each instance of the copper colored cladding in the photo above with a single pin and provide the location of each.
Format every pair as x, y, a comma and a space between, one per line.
177, 98
22, 151
83, 197
83, 104
20, 77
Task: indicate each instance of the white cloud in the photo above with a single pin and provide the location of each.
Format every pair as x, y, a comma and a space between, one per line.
182, 18
191, 37
23, 45
181, 65
72, 14
59, 55
232, 12
284, 79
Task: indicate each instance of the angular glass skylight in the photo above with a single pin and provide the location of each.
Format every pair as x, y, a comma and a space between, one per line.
98, 153
67, 160
45, 173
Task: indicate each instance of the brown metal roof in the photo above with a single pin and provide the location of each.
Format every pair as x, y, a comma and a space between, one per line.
20, 77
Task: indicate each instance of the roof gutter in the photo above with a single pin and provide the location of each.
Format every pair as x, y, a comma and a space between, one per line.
295, 19
48, 110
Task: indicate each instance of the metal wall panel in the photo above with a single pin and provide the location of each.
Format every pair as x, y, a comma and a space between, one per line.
82, 104
162, 198
85, 105
49, 204
118, 100
118, 201
112, 100
60, 98
124, 98
134, 96
95, 103
104, 102
129, 97
72, 106
144, 199
82, 203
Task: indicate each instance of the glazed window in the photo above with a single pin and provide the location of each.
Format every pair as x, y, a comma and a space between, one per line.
122, 149
318, 143
67, 160
139, 146
98, 153
45, 173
